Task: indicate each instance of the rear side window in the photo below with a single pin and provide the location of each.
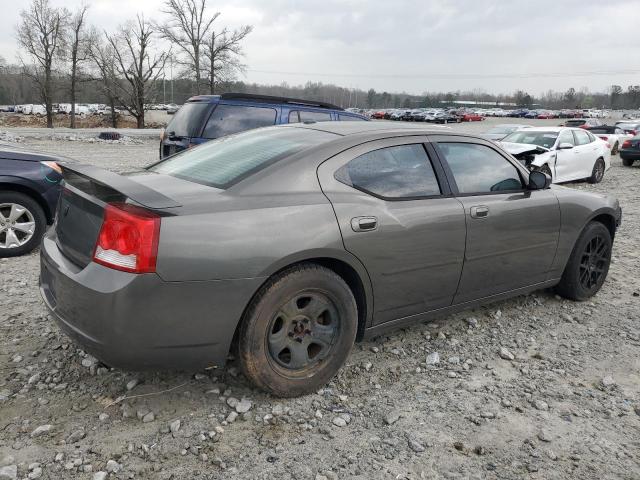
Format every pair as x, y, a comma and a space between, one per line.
294, 116
480, 169
308, 116
349, 118
582, 138
229, 119
187, 122
404, 171
227, 160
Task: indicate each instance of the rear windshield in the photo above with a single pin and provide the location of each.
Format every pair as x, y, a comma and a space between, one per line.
574, 123
187, 122
227, 160
628, 126
542, 139
600, 131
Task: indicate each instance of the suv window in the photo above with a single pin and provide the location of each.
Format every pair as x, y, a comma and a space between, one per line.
308, 116
479, 169
349, 118
188, 121
294, 116
566, 137
403, 171
228, 119
582, 138
227, 160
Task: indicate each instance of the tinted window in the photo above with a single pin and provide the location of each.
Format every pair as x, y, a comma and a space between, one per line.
227, 160
582, 138
187, 122
307, 116
480, 169
566, 137
574, 123
294, 117
349, 118
395, 172
228, 119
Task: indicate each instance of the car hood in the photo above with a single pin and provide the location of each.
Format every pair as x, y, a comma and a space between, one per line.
520, 148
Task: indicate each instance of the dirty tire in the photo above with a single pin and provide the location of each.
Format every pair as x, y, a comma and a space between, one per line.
615, 149
598, 171
281, 303
35, 210
627, 162
574, 284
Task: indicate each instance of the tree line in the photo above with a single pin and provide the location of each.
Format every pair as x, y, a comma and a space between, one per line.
65, 57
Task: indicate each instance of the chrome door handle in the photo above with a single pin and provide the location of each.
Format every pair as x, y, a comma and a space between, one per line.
479, 212
364, 224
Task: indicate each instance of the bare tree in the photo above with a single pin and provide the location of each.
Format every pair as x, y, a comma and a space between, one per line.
222, 52
187, 29
40, 33
104, 59
78, 42
136, 64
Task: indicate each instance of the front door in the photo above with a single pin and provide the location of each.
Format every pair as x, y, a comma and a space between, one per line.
397, 216
512, 232
567, 159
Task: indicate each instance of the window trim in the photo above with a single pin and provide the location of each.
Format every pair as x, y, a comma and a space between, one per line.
395, 199
522, 172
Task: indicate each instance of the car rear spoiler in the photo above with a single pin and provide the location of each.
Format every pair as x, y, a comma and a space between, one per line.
121, 184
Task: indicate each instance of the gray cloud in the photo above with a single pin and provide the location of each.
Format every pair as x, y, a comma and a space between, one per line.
417, 45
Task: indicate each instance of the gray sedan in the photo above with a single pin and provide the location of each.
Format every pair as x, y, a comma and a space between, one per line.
292, 242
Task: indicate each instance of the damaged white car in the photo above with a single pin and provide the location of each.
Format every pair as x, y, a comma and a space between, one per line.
564, 153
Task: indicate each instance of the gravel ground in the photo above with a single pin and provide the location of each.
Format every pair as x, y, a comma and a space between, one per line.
536, 387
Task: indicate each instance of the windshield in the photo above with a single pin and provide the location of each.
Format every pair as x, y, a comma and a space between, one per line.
502, 129
188, 121
542, 139
227, 160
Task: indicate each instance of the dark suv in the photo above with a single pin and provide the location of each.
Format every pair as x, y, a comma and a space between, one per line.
207, 117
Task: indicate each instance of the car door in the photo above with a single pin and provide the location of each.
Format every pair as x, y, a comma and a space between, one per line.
588, 151
567, 159
397, 216
512, 232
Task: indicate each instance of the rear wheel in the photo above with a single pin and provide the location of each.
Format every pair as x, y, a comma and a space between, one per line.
22, 224
598, 172
588, 264
298, 331
627, 162
615, 149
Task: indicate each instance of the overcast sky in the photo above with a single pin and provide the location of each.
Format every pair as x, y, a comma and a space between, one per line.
414, 46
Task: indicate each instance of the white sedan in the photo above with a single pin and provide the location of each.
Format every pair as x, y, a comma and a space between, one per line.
613, 135
564, 153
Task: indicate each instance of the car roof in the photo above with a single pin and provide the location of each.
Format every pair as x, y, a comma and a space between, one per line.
15, 152
268, 99
347, 128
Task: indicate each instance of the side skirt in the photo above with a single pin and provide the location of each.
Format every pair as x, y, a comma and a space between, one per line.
428, 316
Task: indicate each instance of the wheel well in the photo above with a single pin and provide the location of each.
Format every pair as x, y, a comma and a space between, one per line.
608, 221
13, 187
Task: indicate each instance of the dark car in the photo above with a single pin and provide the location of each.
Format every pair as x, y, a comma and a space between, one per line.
207, 117
582, 122
298, 239
29, 191
630, 151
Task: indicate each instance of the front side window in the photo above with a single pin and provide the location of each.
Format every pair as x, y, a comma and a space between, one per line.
582, 138
566, 137
403, 171
480, 169
227, 160
228, 119
309, 116
187, 122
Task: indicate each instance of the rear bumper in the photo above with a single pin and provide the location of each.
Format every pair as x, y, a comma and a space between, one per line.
140, 322
630, 154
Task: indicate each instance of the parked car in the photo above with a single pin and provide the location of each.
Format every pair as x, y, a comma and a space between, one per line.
29, 191
377, 115
565, 154
206, 117
444, 117
500, 131
471, 117
630, 151
583, 122
629, 126
614, 136
273, 237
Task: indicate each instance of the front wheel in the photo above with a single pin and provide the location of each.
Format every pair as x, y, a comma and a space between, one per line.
588, 264
298, 331
615, 149
598, 172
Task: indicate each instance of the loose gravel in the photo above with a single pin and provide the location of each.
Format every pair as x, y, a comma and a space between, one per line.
536, 387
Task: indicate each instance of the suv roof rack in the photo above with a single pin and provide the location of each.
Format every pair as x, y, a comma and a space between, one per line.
271, 99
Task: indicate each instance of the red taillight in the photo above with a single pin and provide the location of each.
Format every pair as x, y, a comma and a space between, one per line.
604, 138
128, 239
626, 144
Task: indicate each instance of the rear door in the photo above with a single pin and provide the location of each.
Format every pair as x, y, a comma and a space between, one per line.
512, 232
567, 160
397, 216
588, 150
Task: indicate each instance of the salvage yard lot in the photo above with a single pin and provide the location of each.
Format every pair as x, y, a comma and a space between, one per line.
535, 387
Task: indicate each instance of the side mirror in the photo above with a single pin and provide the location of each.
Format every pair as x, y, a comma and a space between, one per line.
565, 146
539, 180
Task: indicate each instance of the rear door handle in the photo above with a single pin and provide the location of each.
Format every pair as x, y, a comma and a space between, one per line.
479, 212
364, 224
